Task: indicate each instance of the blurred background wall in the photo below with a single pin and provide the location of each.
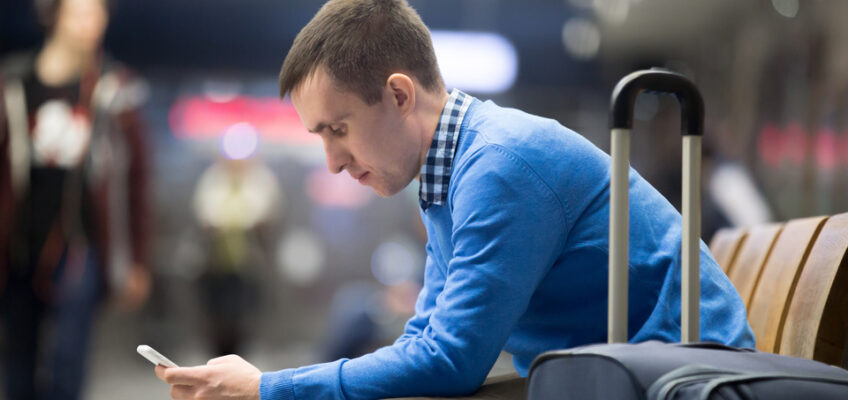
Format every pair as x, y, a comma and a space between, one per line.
774, 76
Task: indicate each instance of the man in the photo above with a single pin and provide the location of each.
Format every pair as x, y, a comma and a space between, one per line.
516, 210
73, 210
235, 201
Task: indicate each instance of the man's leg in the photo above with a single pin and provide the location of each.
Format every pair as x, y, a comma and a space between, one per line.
76, 302
22, 314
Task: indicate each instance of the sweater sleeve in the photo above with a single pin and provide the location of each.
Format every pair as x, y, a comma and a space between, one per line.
507, 227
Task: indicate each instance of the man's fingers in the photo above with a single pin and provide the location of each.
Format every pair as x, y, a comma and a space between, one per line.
179, 392
222, 359
160, 372
191, 376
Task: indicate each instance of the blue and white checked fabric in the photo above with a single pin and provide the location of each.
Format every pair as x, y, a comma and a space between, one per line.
436, 171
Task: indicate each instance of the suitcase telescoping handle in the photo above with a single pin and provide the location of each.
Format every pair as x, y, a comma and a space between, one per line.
621, 121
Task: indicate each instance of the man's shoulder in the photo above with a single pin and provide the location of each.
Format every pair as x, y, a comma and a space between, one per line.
512, 138
521, 132
498, 122
500, 168
526, 153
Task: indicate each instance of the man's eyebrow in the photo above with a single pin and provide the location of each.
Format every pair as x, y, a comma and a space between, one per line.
321, 125
318, 128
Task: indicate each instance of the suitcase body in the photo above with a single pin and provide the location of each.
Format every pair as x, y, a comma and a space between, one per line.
654, 370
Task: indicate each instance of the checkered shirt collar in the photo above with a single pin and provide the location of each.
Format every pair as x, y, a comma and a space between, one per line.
436, 171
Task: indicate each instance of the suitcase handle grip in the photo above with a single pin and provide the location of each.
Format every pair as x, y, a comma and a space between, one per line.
621, 118
663, 81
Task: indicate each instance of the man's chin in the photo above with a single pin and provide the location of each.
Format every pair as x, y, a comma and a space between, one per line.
385, 192
382, 193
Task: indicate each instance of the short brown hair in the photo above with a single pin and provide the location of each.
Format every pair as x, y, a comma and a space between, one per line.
361, 43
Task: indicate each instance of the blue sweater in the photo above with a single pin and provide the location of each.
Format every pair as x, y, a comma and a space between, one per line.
517, 261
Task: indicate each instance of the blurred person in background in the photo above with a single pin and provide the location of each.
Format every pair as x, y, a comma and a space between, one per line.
366, 315
73, 198
732, 196
236, 202
516, 209
363, 315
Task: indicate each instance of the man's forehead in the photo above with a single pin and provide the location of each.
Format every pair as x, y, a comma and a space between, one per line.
319, 105
319, 79
305, 90
310, 95
318, 99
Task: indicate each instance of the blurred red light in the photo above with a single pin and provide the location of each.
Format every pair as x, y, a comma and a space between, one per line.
198, 117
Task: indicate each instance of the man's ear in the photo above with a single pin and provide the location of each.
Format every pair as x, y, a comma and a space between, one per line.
402, 91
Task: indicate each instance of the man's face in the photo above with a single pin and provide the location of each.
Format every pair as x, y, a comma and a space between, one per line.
81, 23
372, 143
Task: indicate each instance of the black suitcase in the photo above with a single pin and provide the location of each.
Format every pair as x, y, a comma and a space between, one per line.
654, 370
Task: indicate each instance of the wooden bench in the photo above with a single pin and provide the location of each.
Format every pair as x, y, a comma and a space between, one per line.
774, 289
793, 278
725, 246
753, 253
817, 317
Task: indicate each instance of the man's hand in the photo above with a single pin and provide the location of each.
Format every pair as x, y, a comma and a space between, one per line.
225, 378
136, 288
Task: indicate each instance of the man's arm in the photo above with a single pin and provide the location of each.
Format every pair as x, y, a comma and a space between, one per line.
137, 183
507, 232
434, 282
7, 196
137, 286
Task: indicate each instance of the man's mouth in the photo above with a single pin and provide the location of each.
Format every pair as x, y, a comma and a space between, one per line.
362, 177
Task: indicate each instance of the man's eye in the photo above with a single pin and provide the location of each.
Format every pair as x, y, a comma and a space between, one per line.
336, 131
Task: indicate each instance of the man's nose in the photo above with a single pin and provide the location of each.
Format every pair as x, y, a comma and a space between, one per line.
337, 157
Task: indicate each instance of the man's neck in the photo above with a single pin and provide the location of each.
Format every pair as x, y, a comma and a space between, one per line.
431, 110
58, 63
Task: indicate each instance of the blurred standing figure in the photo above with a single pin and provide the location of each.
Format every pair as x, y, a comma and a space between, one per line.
73, 198
235, 202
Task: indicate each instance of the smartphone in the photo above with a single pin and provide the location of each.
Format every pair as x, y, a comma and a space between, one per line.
154, 356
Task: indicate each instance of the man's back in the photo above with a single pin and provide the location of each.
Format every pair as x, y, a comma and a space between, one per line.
528, 207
